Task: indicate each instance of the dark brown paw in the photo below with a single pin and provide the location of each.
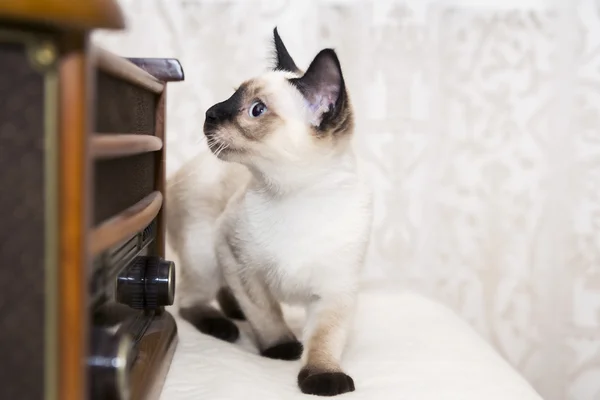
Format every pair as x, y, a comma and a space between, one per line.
211, 323
220, 327
284, 351
229, 304
324, 383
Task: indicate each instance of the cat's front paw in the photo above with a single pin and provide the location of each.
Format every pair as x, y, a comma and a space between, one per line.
324, 383
288, 351
221, 328
229, 304
210, 322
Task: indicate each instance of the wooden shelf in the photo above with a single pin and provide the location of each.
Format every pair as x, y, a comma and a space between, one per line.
124, 69
79, 14
108, 145
125, 224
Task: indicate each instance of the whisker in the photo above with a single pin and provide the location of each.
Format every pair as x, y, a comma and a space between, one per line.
199, 141
225, 146
214, 145
211, 143
220, 149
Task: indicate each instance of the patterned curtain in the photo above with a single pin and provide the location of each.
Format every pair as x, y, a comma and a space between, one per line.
480, 124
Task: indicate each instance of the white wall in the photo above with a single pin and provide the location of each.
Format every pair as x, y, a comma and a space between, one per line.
480, 122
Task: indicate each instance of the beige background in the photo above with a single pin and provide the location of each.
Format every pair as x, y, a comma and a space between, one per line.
480, 123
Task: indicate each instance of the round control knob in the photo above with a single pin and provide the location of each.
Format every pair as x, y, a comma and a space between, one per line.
109, 364
160, 282
147, 283
130, 288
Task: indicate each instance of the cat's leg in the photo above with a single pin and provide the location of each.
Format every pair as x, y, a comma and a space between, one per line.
197, 286
210, 321
329, 321
262, 310
229, 304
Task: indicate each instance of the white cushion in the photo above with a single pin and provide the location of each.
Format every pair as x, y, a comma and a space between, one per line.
404, 346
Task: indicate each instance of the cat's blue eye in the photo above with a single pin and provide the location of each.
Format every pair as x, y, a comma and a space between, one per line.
257, 109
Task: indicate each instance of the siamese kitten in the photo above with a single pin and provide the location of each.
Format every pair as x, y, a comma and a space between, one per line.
286, 217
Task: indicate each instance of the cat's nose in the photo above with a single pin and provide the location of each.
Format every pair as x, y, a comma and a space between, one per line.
212, 114
223, 111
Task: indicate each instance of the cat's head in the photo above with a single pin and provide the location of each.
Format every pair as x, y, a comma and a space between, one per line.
284, 116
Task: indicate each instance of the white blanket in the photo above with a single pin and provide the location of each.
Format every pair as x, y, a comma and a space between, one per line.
403, 347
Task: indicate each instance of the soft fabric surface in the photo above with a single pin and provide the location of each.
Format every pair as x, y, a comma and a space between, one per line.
403, 347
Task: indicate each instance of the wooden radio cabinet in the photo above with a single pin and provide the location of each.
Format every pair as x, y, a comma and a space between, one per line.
82, 166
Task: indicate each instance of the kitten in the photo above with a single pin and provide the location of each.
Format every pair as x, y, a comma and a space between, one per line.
288, 214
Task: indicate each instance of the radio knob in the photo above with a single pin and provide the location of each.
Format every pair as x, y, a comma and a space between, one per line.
109, 364
130, 284
160, 282
147, 283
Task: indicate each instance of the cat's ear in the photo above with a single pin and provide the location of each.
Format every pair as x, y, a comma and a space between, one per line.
284, 60
323, 88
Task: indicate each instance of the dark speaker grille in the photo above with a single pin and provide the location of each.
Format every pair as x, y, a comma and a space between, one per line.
122, 182
123, 107
22, 228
